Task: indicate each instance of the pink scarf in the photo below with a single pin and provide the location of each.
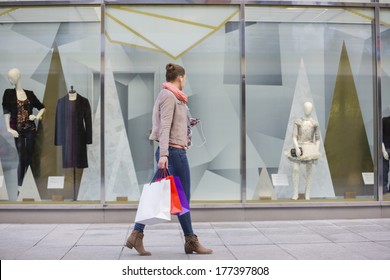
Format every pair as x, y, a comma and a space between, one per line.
177, 92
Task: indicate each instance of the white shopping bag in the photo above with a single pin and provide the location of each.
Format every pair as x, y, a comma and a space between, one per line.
155, 203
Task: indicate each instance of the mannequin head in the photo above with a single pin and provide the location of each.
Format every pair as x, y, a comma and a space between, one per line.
308, 108
14, 76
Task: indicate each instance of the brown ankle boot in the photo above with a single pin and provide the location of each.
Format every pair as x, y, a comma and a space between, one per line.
135, 240
192, 245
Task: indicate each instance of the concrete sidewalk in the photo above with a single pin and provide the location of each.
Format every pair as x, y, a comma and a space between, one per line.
276, 240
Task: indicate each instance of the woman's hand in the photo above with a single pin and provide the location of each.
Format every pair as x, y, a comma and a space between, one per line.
194, 121
163, 162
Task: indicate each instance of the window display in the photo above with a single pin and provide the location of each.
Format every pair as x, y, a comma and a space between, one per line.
303, 78
385, 83
317, 55
63, 50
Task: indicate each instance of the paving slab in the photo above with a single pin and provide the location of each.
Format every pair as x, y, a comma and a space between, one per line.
45, 253
94, 253
245, 236
321, 251
260, 252
371, 250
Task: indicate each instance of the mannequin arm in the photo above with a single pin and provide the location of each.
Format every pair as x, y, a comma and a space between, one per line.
295, 140
38, 116
14, 133
384, 152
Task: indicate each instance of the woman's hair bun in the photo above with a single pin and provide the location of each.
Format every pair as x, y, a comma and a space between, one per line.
170, 67
173, 71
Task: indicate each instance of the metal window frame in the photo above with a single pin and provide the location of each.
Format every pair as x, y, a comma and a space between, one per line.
377, 71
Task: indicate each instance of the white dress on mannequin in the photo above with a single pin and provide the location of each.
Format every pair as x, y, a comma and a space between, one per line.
306, 139
307, 133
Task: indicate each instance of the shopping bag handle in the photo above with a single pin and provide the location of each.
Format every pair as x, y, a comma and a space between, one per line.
161, 173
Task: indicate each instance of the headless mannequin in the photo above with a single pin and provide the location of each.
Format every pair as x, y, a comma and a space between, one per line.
14, 79
308, 108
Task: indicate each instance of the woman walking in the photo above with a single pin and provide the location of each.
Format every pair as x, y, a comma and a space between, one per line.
172, 130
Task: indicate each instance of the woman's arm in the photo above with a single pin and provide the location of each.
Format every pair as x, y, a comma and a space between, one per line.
167, 108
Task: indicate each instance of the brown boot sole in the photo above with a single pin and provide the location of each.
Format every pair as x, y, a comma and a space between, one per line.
203, 253
130, 246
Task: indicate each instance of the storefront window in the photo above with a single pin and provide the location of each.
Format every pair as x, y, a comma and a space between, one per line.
49, 58
322, 56
141, 40
308, 74
385, 48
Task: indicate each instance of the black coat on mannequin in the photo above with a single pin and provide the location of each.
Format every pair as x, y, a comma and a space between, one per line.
73, 130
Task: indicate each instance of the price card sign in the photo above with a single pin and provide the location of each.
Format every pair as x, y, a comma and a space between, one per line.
56, 182
368, 178
1, 181
279, 180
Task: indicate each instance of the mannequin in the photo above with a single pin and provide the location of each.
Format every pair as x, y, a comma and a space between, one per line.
18, 105
306, 139
73, 130
386, 151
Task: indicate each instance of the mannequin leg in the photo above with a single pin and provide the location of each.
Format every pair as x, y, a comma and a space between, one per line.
295, 174
385, 175
308, 180
21, 148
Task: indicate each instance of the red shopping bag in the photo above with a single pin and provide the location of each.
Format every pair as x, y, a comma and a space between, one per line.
176, 207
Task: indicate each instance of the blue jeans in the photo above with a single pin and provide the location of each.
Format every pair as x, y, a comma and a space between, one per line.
178, 167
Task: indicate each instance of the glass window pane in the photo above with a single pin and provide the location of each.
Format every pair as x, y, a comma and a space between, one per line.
141, 40
322, 56
385, 49
46, 51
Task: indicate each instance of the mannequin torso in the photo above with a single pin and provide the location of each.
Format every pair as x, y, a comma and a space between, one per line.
19, 96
